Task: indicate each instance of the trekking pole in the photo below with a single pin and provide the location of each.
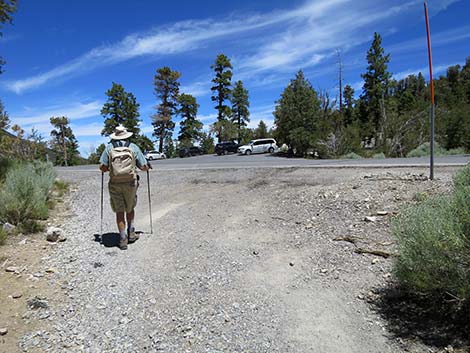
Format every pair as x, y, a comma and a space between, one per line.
101, 222
150, 202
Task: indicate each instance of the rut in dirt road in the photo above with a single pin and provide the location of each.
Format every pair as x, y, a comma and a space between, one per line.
240, 261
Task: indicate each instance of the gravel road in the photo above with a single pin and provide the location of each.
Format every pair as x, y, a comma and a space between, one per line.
240, 261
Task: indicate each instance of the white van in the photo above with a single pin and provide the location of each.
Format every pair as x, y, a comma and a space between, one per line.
258, 146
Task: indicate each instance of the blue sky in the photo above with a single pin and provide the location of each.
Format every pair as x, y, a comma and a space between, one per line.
63, 55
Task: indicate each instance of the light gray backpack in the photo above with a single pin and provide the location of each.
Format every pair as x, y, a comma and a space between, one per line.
122, 163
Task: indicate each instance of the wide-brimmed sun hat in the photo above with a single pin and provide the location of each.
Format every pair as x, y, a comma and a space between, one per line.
120, 133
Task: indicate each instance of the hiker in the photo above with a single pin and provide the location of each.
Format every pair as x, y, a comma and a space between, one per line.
120, 158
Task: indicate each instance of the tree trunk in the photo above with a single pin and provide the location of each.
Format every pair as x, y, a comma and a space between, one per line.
64, 145
160, 143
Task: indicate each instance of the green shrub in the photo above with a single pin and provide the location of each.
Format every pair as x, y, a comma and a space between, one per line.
461, 205
60, 187
433, 251
45, 175
30, 226
424, 150
351, 155
24, 194
420, 196
455, 151
380, 155
5, 164
462, 178
434, 242
3, 236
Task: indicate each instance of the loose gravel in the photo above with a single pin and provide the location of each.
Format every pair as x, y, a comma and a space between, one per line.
240, 261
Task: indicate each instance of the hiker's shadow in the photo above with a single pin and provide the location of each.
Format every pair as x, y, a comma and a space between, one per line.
110, 239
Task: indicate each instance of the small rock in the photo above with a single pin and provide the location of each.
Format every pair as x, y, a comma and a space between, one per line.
382, 213
7, 227
360, 297
370, 219
291, 264
97, 264
13, 269
323, 270
22, 242
51, 270
44, 315
375, 261
255, 252
309, 226
38, 274
16, 295
3, 331
54, 234
153, 301
37, 303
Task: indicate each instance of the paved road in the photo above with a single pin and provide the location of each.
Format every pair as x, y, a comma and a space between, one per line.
268, 161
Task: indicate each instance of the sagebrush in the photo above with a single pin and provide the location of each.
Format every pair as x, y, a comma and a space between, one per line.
25, 192
434, 242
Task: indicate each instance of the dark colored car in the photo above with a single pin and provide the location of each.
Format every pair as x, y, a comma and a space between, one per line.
190, 151
226, 147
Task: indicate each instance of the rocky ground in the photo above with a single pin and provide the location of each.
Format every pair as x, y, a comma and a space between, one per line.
252, 260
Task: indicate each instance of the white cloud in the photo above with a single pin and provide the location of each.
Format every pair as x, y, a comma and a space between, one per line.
93, 129
198, 88
436, 6
424, 70
177, 38
306, 35
437, 40
74, 112
208, 118
278, 40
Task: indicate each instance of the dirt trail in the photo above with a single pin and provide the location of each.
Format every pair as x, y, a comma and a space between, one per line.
240, 261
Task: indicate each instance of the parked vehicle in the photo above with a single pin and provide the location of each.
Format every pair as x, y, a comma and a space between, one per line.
226, 147
258, 146
151, 155
190, 151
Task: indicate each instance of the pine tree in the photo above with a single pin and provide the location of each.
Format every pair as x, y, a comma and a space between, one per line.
94, 157
207, 143
261, 131
7, 7
348, 104
190, 127
144, 143
63, 141
297, 115
240, 105
374, 91
166, 88
121, 108
222, 88
169, 147
4, 118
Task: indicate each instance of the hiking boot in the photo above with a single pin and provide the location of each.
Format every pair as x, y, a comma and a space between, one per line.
133, 236
123, 244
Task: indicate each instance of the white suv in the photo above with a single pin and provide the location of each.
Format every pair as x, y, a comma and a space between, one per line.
151, 155
258, 146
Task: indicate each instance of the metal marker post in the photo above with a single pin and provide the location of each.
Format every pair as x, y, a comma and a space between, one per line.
101, 213
431, 85
150, 201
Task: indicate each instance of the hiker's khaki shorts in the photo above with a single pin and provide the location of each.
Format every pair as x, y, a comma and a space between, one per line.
123, 196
